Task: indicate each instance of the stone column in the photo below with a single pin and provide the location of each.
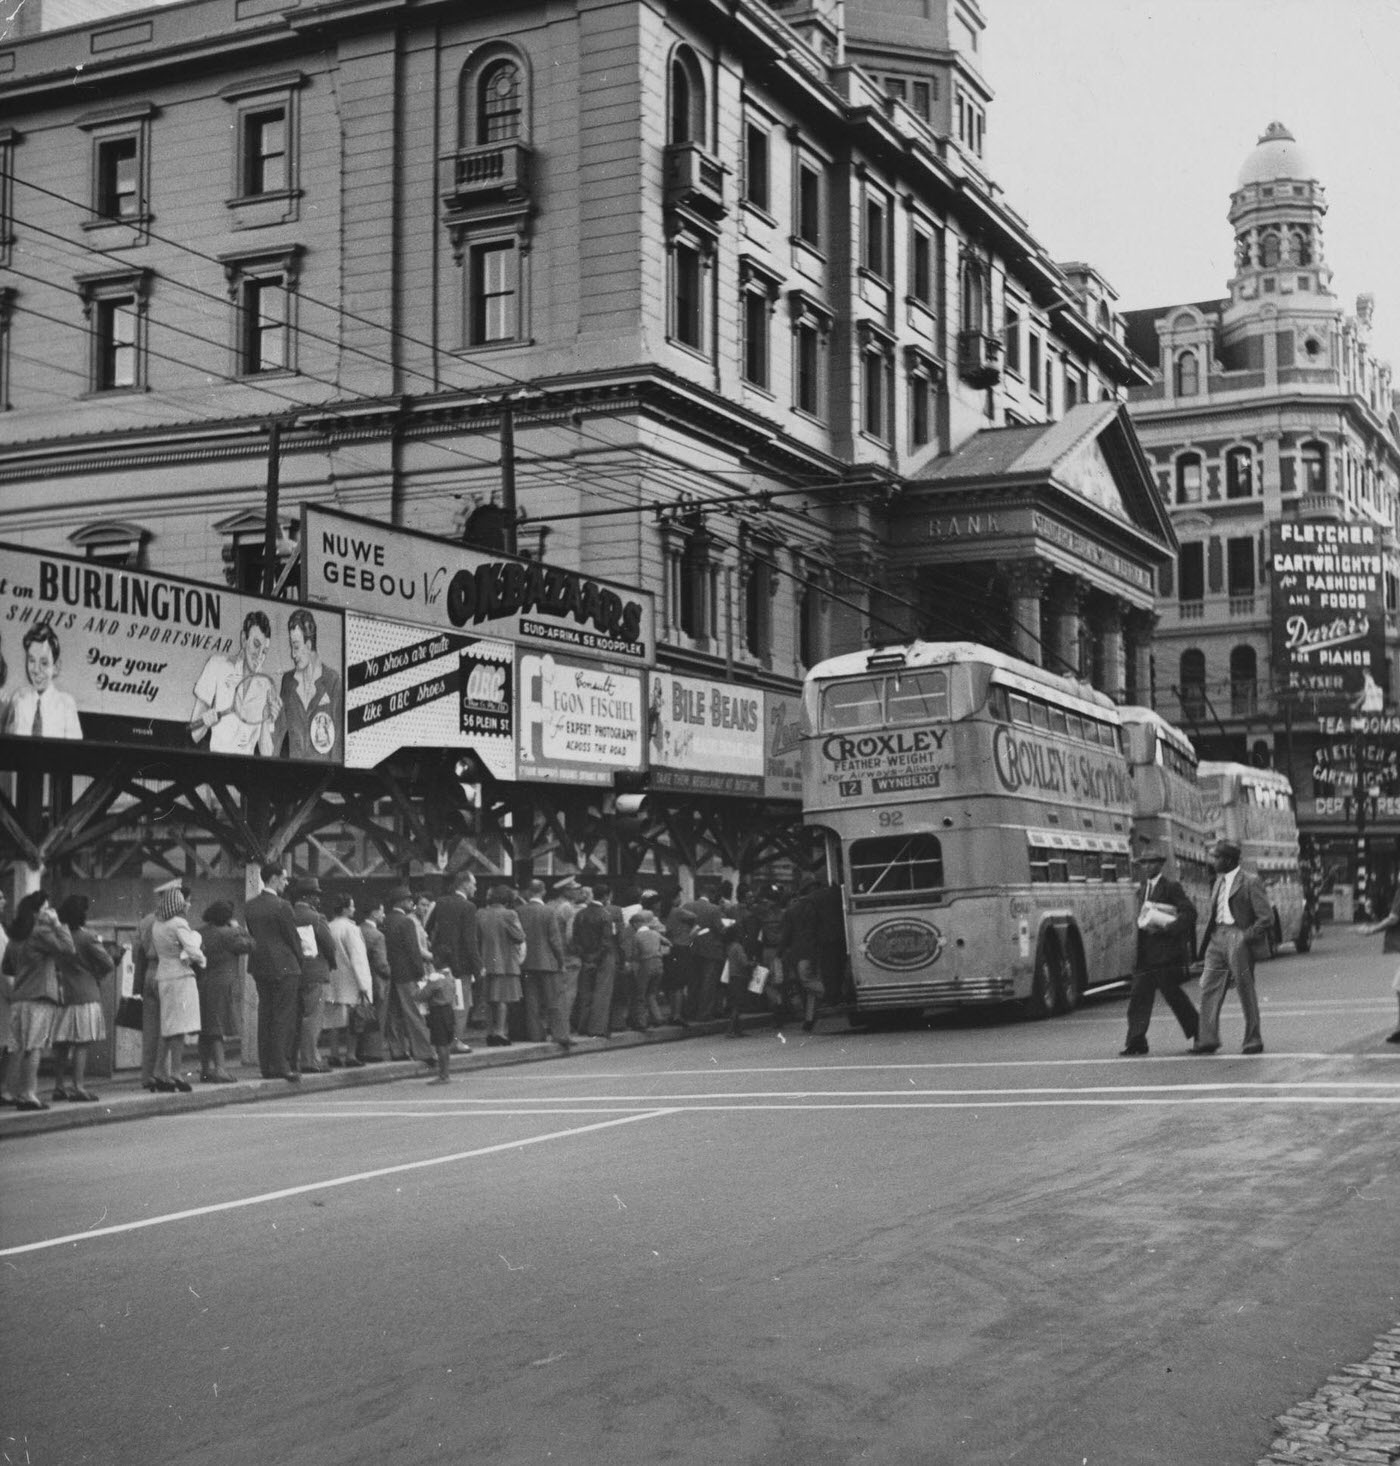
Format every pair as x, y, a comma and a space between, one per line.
1026, 581
1111, 649
1066, 620
1140, 626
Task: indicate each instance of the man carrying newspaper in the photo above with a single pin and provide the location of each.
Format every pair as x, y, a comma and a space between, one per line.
1165, 940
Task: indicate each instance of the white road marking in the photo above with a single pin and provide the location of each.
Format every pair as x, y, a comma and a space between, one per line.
335, 1181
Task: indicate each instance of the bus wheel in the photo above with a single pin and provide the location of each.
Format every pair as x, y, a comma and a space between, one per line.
1069, 984
1303, 941
1047, 982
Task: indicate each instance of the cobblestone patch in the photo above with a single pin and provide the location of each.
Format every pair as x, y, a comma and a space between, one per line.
1353, 1418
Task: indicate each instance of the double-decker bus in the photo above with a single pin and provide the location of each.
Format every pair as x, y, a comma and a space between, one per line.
1254, 808
978, 812
1169, 809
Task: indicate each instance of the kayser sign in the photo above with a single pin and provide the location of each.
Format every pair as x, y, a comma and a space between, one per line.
362, 565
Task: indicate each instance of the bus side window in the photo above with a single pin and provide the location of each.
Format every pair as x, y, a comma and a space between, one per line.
1020, 709
1040, 716
1076, 726
1040, 864
997, 705
1059, 723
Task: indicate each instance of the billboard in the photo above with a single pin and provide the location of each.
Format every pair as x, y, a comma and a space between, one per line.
782, 753
410, 688
579, 723
1329, 613
362, 565
1324, 771
110, 655
705, 737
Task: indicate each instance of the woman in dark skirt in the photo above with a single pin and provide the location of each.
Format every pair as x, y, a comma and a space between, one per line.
224, 943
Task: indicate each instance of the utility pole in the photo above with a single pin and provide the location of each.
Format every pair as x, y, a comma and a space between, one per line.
271, 527
508, 475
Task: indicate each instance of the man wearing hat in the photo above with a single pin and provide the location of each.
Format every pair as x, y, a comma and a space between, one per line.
567, 898
405, 1032
1240, 915
1165, 939
317, 962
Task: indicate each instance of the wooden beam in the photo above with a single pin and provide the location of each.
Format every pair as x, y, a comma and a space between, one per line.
10, 824
290, 828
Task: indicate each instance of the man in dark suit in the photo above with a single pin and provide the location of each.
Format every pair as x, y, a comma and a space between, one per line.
275, 965
405, 1032
1240, 916
1164, 947
452, 932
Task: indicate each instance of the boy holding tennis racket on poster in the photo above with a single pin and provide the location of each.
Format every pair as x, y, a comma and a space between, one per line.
236, 703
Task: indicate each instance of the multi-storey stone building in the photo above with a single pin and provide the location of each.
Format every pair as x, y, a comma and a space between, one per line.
727, 286
1266, 406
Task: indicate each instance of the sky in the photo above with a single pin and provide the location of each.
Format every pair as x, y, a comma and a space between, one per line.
1119, 127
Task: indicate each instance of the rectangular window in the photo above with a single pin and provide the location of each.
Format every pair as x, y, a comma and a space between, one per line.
919, 394
808, 222
118, 178
1011, 339
1191, 579
116, 325
921, 99
921, 267
877, 409
493, 290
876, 244
1033, 362
265, 151
756, 166
1239, 566
896, 87
808, 373
756, 338
265, 321
896, 866
1050, 363
689, 298
1071, 389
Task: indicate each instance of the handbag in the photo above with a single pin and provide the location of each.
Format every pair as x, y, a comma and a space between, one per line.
131, 1012
759, 978
362, 1018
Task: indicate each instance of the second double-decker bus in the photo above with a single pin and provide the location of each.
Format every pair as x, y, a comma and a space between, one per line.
1169, 809
977, 812
1254, 808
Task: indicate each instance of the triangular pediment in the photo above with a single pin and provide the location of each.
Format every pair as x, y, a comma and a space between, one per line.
1089, 474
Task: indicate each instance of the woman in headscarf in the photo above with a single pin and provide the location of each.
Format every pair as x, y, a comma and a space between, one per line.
179, 952
224, 943
80, 1021
30, 967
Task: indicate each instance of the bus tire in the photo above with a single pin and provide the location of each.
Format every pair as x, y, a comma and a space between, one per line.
1303, 941
1046, 982
1069, 988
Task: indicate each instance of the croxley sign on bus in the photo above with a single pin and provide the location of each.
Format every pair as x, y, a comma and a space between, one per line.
705, 737
150, 661
406, 687
1026, 764
579, 723
403, 576
880, 763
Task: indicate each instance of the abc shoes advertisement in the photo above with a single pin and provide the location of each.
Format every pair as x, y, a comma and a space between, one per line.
121, 657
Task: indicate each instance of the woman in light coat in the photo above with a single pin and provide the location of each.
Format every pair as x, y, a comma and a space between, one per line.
501, 939
351, 980
178, 952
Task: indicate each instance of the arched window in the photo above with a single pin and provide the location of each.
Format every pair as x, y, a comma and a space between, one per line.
1244, 684
1188, 478
1239, 474
1188, 374
1269, 251
687, 98
1314, 467
1192, 683
974, 293
498, 102
1302, 247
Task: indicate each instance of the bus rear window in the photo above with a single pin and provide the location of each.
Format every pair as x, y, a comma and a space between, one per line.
918, 697
851, 705
897, 865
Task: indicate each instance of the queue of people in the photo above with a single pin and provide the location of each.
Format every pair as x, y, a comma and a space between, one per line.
406, 978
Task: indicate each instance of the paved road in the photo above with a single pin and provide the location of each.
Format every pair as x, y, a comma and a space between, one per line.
989, 1243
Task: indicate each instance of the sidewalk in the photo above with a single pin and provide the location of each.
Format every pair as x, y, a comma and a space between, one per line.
123, 1098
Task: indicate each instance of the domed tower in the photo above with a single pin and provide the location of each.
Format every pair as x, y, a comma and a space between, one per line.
1281, 271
